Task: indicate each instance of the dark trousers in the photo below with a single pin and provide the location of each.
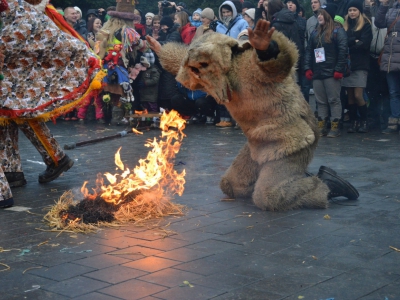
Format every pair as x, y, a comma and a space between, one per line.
204, 106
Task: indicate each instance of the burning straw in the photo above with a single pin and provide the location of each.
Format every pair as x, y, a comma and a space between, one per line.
133, 196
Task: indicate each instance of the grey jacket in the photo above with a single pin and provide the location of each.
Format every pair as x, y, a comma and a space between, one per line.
384, 17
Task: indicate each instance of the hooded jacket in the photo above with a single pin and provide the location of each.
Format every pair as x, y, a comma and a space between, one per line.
236, 25
384, 18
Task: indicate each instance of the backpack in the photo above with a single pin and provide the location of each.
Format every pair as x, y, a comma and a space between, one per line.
347, 67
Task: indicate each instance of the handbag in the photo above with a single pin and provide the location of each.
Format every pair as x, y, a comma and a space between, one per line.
389, 29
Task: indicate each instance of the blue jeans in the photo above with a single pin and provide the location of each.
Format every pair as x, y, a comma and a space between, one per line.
393, 80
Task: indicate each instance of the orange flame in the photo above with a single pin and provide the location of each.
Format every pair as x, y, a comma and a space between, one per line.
155, 172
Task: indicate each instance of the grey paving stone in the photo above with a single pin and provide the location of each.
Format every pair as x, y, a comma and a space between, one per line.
75, 286
95, 296
151, 264
102, 261
388, 263
184, 293
119, 242
136, 252
61, 272
12, 284
164, 244
146, 235
133, 289
390, 292
116, 274
214, 246
225, 281
35, 295
194, 236
184, 254
170, 277
194, 223
248, 293
202, 266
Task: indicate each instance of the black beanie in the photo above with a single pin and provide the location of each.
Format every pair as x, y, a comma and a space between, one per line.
296, 3
331, 9
167, 21
248, 4
357, 4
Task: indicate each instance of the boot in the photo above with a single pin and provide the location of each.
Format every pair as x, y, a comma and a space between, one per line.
335, 130
117, 116
392, 126
363, 127
323, 126
7, 203
53, 172
15, 179
338, 187
353, 127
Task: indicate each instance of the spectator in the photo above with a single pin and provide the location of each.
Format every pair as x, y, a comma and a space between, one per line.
72, 16
342, 6
81, 21
92, 13
94, 27
186, 30
390, 61
149, 23
207, 16
249, 16
148, 86
302, 13
247, 5
261, 11
231, 23
156, 28
195, 19
359, 37
325, 62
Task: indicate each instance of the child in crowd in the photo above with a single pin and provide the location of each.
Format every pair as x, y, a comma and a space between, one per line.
148, 85
195, 19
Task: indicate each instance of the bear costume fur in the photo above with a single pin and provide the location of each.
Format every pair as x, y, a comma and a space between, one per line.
258, 88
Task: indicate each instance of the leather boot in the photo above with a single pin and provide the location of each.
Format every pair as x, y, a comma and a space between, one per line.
53, 172
15, 179
338, 186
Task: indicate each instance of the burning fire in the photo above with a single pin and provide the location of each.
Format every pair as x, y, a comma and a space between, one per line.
154, 174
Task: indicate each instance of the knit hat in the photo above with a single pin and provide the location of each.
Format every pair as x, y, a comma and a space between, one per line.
208, 13
251, 13
247, 4
197, 11
124, 10
149, 14
357, 4
331, 9
295, 2
78, 10
339, 19
167, 21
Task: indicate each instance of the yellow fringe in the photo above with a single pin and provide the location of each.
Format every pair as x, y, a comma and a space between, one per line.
45, 142
60, 110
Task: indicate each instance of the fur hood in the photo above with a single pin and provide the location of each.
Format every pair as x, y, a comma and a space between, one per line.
234, 11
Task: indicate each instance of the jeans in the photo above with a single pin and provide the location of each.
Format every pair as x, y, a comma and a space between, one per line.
393, 79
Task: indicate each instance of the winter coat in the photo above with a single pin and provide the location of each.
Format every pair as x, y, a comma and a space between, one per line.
359, 52
81, 28
236, 25
150, 78
342, 7
201, 31
285, 21
187, 33
390, 61
311, 25
172, 36
335, 54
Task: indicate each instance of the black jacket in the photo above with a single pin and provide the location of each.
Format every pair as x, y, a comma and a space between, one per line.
359, 52
285, 21
335, 54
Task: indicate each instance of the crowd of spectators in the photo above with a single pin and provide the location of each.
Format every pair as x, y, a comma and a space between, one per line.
349, 58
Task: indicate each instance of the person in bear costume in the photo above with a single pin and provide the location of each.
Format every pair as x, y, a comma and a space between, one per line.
255, 80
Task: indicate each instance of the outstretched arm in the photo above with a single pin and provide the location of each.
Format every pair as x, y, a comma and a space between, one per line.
170, 54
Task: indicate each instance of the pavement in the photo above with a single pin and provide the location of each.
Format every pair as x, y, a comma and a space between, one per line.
219, 249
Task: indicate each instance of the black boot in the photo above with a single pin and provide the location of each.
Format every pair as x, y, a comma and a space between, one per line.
338, 186
353, 127
53, 172
363, 127
15, 179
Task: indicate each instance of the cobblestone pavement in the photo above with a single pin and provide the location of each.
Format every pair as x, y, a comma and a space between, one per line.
221, 250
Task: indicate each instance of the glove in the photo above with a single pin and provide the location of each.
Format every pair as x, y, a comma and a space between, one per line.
309, 74
337, 75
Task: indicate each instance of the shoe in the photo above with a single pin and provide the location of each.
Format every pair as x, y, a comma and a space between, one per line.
7, 203
237, 127
363, 127
53, 172
392, 126
101, 121
353, 128
74, 119
81, 121
335, 130
311, 92
67, 119
15, 179
338, 187
210, 121
323, 126
224, 124
192, 120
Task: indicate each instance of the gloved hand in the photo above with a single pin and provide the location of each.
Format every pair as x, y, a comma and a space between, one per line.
337, 75
309, 74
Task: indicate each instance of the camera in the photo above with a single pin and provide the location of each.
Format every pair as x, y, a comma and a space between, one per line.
165, 3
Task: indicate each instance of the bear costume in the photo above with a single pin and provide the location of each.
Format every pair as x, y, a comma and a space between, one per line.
255, 80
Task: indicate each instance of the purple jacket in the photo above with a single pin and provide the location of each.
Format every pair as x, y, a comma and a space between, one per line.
384, 17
